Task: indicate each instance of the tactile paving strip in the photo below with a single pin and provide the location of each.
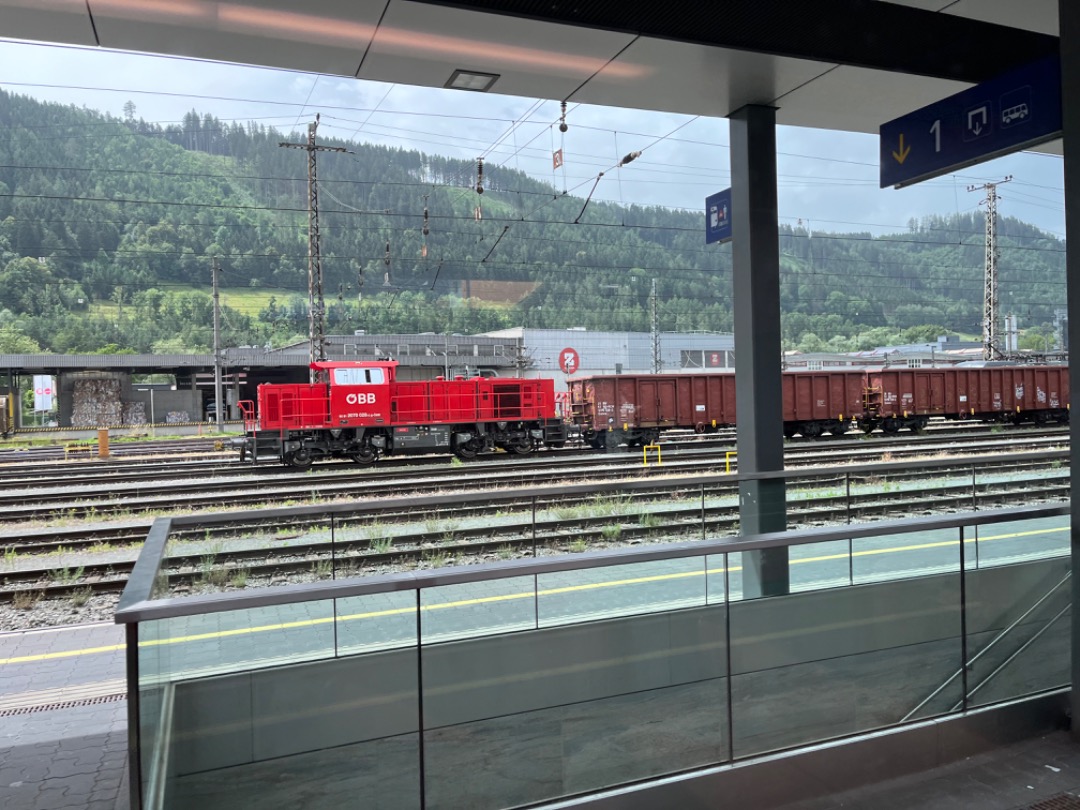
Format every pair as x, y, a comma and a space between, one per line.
70, 704
1063, 801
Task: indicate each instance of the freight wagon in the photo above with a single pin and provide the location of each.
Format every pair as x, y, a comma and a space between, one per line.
908, 398
633, 409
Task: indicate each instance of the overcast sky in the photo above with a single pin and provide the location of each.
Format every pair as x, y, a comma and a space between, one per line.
827, 179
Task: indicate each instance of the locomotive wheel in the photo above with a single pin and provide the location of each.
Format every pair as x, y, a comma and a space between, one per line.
300, 459
522, 448
466, 451
364, 456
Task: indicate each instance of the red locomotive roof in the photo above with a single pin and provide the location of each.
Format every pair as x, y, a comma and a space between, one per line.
328, 364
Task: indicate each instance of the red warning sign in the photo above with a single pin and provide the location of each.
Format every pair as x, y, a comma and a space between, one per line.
569, 360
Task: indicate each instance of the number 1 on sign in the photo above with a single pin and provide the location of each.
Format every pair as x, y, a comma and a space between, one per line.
935, 130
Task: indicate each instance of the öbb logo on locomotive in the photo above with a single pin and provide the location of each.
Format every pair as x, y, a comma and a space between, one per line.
298, 424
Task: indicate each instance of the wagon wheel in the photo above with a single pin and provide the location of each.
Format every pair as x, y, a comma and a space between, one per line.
811, 430
891, 426
840, 428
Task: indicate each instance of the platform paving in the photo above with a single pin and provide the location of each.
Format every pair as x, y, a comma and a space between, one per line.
63, 719
1041, 774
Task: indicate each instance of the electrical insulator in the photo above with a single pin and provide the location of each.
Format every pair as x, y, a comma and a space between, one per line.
426, 229
562, 119
479, 175
387, 259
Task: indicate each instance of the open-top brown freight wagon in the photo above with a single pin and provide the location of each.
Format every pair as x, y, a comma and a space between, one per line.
908, 398
635, 408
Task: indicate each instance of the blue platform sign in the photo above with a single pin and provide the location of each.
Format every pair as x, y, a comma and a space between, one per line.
1014, 111
718, 217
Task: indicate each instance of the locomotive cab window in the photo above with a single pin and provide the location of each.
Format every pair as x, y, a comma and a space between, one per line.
359, 376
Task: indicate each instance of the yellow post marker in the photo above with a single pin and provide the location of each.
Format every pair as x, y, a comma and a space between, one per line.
645, 448
728, 456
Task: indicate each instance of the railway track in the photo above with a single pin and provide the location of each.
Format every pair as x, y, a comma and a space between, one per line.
25, 503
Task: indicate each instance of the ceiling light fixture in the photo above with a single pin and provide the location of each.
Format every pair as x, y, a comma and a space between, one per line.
470, 80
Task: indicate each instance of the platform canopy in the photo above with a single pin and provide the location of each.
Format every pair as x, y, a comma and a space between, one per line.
839, 64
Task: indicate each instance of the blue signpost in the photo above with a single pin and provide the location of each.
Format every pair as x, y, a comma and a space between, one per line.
718, 217
1011, 112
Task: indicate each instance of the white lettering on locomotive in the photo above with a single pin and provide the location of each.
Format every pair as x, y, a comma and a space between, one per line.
360, 399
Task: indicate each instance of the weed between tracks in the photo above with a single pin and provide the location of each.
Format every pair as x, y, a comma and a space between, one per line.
26, 600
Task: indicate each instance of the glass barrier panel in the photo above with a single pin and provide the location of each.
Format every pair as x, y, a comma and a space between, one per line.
1018, 610
452, 612
1025, 482
314, 735
901, 556
238, 640
533, 716
368, 544
153, 685
889, 494
620, 590
823, 664
820, 565
719, 578
1021, 541
817, 502
382, 621
215, 559
720, 509
610, 520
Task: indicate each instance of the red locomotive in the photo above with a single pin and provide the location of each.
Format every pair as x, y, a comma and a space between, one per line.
359, 410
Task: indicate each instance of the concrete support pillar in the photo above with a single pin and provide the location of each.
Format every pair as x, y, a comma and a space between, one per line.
756, 261
1069, 31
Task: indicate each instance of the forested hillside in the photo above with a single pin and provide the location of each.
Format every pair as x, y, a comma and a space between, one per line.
108, 227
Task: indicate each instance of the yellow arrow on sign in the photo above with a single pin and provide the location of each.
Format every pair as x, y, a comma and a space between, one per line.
901, 156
